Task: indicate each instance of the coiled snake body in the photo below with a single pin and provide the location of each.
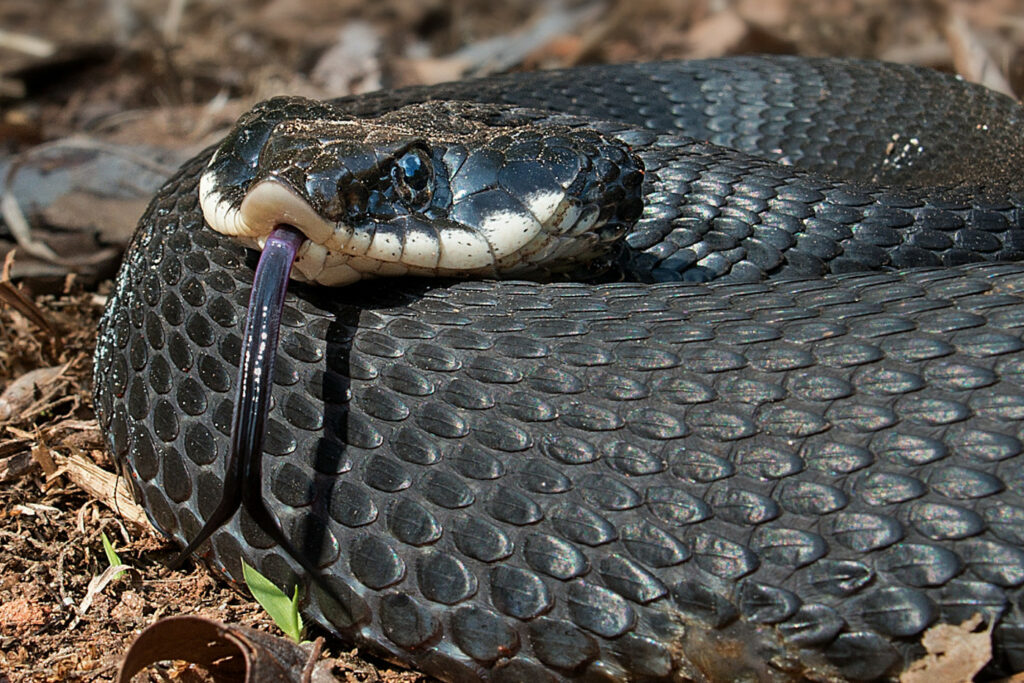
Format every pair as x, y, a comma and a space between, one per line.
791, 471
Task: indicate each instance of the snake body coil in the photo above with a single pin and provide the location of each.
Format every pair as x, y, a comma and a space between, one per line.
742, 479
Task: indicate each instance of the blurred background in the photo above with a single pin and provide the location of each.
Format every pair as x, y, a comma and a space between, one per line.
105, 56
162, 78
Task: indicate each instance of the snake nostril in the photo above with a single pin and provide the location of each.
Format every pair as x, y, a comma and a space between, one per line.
321, 188
352, 199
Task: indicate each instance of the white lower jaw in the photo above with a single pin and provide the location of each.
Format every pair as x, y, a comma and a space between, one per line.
334, 254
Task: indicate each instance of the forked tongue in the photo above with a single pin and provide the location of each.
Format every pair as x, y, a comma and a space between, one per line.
253, 389
259, 343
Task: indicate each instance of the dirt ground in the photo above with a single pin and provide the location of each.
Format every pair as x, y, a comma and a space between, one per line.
101, 99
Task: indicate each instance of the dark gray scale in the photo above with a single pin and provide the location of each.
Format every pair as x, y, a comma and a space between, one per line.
511, 481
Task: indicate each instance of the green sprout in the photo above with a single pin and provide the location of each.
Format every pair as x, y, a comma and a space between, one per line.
282, 609
113, 559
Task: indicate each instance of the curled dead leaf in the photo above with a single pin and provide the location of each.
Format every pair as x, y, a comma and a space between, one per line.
228, 653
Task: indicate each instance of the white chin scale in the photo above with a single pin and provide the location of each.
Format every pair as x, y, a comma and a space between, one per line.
335, 254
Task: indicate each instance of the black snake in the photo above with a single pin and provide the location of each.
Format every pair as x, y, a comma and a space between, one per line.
680, 470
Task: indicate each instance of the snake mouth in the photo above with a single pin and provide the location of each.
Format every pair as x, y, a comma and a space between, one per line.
340, 253
510, 238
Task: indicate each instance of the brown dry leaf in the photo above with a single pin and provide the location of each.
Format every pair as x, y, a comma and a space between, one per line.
229, 653
718, 35
71, 204
43, 456
19, 301
970, 57
955, 653
768, 14
16, 466
525, 44
114, 218
351, 64
428, 71
21, 395
105, 486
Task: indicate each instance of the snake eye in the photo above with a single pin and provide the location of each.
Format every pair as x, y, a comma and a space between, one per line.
413, 176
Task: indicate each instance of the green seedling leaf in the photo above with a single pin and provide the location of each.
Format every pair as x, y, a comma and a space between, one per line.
112, 558
282, 609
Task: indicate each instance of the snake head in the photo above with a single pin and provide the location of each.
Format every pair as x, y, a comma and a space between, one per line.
440, 188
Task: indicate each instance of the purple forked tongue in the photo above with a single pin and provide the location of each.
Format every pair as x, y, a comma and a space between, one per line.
242, 472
